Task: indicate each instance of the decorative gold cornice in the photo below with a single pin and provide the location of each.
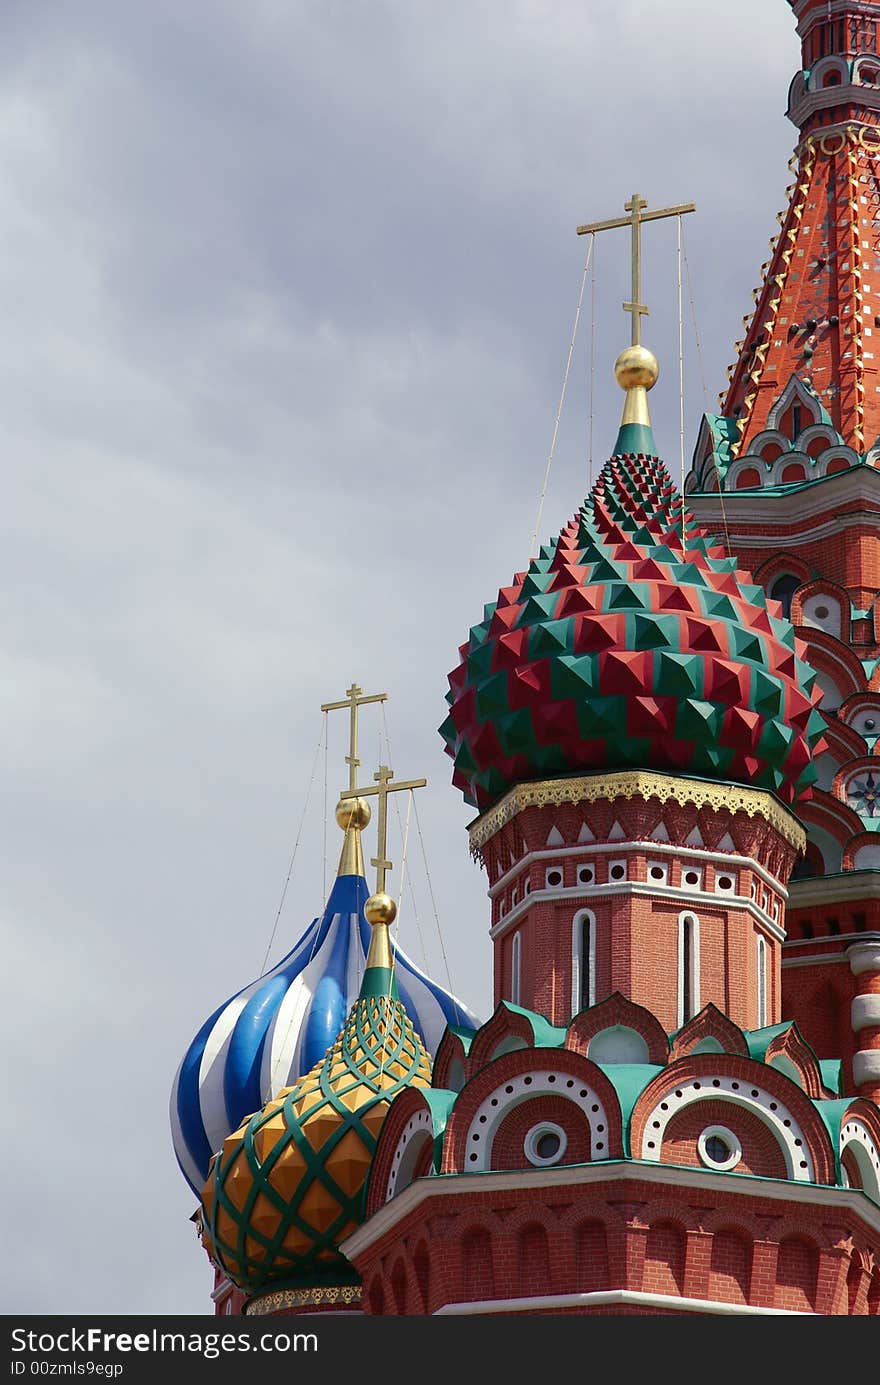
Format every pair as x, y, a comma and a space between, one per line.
636, 783
281, 1299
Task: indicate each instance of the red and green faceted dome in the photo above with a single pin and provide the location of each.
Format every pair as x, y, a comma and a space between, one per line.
632, 641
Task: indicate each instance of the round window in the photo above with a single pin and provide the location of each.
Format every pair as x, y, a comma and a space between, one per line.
554, 878
617, 872
822, 613
719, 1148
545, 1144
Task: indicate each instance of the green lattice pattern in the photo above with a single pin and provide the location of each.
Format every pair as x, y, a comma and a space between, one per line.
288, 1185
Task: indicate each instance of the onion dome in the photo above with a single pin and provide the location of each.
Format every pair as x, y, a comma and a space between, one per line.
632, 641
288, 1185
268, 1033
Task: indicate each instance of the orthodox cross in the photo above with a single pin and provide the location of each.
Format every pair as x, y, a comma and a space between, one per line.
384, 787
635, 206
353, 699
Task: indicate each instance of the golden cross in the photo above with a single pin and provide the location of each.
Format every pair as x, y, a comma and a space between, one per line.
353, 700
384, 788
636, 216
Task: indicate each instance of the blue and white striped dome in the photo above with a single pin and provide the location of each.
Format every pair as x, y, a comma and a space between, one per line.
274, 1030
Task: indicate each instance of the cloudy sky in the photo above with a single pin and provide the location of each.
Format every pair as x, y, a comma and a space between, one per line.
286, 294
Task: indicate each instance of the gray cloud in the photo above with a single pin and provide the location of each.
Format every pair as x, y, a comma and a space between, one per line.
287, 292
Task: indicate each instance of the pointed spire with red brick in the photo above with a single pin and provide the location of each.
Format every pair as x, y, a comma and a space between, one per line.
807, 376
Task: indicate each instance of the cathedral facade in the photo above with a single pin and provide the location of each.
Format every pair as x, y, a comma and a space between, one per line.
667, 727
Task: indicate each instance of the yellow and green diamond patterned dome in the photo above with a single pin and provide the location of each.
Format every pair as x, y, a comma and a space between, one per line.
288, 1185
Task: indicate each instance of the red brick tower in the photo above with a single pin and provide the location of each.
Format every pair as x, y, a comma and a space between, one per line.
636, 1130
787, 472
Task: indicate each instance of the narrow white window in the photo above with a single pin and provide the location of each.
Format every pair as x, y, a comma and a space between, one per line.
762, 982
583, 961
688, 967
515, 968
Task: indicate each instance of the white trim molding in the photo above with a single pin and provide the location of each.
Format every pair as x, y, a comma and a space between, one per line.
608, 1297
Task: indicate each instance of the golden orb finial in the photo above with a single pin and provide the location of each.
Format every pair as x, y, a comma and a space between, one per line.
353, 812
380, 909
635, 367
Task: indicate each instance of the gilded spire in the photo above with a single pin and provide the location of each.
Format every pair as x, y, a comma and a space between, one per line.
353, 815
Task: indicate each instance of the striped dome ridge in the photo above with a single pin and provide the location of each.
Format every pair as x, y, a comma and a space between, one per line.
632, 641
288, 1185
279, 1026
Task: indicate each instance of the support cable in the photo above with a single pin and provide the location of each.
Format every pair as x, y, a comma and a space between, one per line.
534, 539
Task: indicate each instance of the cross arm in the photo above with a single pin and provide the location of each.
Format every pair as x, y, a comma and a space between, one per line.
643, 216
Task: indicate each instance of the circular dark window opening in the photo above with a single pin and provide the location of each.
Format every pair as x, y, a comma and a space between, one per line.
617, 872
547, 1145
554, 877
657, 872
691, 878
725, 882
717, 1149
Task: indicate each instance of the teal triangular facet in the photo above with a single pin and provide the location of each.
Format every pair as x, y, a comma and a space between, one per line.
652, 632
573, 676
515, 731
628, 596
602, 718
538, 608
679, 675
767, 694
697, 720
552, 637
479, 662
491, 699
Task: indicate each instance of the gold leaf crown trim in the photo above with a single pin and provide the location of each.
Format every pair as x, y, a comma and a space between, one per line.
303, 1298
736, 798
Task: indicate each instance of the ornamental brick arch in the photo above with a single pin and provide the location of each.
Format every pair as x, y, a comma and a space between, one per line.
782, 565
832, 817
740, 1140
828, 656
790, 1053
618, 1012
859, 1146
508, 1029
820, 586
736, 1083
520, 1077
450, 1062
841, 740
710, 1026
544, 1131
410, 1122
